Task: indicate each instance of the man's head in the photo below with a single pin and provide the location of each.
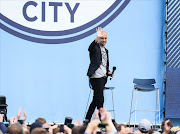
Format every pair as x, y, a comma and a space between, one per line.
144, 125
103, 38
41, 120
15, 128
39, 131
119, 127
79, 129
35, 125
167, 125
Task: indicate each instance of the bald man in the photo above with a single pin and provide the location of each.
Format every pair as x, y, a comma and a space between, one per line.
98, 70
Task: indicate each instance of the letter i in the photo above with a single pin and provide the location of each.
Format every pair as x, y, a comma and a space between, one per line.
43, 11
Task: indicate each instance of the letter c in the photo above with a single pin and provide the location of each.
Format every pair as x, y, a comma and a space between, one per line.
25, 13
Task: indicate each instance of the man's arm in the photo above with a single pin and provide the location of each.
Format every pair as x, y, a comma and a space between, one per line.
91, 47
106, 118
99, 35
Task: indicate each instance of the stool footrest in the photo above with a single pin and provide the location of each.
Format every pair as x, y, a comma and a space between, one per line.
110, 110
148, 110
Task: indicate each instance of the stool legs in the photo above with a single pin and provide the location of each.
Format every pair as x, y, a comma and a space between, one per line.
113, 103
157, 111
104, 103
135, 110
156, 108
87, 104
131, 108
159, 108
105, 100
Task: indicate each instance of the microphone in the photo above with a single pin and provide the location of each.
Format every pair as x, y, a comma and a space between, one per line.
114, 68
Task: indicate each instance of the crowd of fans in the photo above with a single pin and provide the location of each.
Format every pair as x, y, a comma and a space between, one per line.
104, 125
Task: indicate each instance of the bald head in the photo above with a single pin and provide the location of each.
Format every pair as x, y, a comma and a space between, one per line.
103, 32
103, 38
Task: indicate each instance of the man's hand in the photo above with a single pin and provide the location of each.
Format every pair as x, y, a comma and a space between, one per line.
78, 123
108, 129
92, 126
96, 114
18, 114
99, 34
67, 130
105, 116
13, 120
102, 112
24, 116
109, 74
51, 129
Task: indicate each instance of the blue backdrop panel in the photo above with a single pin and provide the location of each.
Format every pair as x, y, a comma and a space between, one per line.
172, 106
173, 34
172, 100
49, 80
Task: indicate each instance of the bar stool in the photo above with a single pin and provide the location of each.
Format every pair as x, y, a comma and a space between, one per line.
144, 85
105, 89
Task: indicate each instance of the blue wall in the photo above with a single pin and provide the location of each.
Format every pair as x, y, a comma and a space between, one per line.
50, 80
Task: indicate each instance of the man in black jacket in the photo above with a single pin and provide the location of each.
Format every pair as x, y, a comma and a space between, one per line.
98, 70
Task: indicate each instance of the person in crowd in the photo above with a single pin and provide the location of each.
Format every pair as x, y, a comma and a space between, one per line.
106, 119
15, 128
153, 131
123, 129
18, 126
2, 125
79, 129
60, 128
175, 130
119, 127
43, 122
144, 127
35, 125
39, 131
166, 127
15, 124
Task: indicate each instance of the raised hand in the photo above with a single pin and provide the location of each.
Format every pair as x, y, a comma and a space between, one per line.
106, 118
103, 114
13, 120
92, 126
78, 123
18, 114
166, 126
67, 130
96, 114
51, 129
99, 34
24, 116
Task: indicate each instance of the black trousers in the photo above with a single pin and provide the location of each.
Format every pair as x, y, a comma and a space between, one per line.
98, 96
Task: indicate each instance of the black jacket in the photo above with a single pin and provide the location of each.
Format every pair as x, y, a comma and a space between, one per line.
96, 58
